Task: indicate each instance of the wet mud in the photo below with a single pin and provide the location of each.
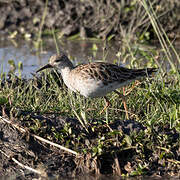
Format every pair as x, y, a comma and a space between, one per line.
89, 18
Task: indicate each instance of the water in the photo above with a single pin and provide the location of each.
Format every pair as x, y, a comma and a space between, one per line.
25, 52
21, 53
80, 51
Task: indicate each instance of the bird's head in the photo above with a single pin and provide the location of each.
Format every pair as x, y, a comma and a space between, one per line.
58, 62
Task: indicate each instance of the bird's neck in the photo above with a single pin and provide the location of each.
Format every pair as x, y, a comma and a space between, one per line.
65, 72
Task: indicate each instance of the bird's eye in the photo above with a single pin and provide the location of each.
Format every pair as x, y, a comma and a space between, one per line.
57, 60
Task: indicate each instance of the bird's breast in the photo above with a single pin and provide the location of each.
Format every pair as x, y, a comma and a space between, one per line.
91, 87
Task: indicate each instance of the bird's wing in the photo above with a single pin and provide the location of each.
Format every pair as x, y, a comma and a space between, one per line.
104, 72
108, 73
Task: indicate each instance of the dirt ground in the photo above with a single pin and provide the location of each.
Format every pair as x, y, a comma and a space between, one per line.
90, 18
21, 150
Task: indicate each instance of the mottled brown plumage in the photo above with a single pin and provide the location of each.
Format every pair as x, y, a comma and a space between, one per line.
108, 73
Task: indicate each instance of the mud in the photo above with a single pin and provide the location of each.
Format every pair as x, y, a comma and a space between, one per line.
90, 18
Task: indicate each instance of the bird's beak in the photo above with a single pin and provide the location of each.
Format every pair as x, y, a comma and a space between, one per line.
44, 67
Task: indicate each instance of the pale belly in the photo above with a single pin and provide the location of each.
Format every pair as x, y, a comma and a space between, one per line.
93, 88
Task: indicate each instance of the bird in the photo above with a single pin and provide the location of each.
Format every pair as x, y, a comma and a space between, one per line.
95, 79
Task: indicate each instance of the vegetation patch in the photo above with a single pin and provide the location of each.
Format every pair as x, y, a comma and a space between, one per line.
77, 140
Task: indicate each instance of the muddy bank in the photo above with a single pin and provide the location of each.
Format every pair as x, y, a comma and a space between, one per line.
90, 18
46, 159
20, 151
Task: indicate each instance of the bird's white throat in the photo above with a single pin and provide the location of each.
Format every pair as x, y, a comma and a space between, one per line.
65, 72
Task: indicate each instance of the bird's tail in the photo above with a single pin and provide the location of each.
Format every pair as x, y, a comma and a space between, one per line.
151, 71
145, 72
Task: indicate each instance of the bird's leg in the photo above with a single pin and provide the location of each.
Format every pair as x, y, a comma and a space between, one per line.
123, 97
107, 104
133, 86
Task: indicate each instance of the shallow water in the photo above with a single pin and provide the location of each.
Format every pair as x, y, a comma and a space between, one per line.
25, 52
19, 53
80, 51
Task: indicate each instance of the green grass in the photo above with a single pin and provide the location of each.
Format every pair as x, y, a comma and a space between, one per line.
156, 98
